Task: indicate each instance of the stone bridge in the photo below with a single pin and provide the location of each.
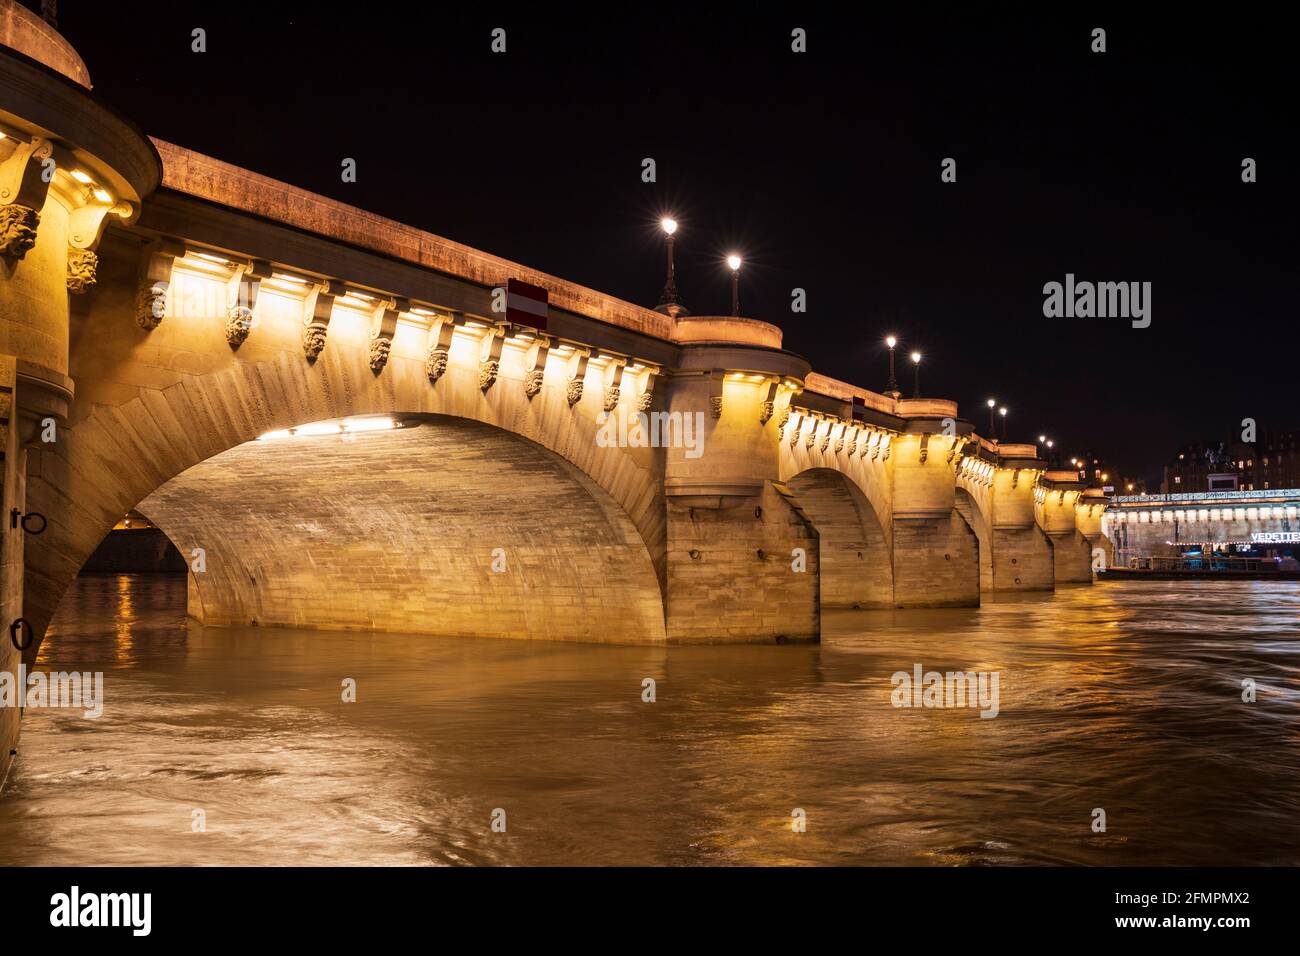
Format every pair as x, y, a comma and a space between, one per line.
325, 413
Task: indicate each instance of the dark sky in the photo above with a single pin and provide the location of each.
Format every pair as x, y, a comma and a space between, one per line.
822, 169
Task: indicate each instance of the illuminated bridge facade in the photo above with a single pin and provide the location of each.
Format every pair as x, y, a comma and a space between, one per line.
326, 414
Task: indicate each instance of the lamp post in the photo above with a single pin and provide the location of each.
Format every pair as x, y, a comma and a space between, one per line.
733, 263
891, 387
1003, 412
916, 370
993, 431
668, 299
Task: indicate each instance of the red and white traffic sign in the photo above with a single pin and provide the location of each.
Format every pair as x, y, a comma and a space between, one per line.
526, 304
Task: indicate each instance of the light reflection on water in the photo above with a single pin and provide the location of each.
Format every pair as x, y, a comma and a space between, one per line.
1119, 696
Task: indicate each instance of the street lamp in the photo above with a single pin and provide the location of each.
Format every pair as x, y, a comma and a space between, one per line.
1003, 412
993, 432
891, 386
668, 298
916, 369
733, 262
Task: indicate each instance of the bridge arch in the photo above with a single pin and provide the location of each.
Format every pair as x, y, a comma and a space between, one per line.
972, 503
854, 559
146, 416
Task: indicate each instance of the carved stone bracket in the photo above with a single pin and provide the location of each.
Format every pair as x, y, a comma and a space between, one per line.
647, 394
957, 445
925, 446
826, 436
768, 407
489, 365
715, 393
18, 226
155, 280
86, 224
613, 383
435, 362
383, 326
536, 371
573, 390
318, 319
81, 270
240, 315
782, 421
23, 187
812, 433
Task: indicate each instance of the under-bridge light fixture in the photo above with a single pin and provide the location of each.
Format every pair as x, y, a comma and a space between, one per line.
103, 195
352, 425
81, 176
319, 428
285, 277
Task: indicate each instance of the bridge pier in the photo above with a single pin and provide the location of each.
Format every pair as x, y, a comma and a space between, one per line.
936, 553
1022, 554
1055, 509
1089, 512
743, 559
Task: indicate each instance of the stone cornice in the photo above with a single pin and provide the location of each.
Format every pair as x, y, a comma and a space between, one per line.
211, 179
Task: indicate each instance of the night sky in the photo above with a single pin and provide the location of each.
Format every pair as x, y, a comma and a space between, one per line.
822, 169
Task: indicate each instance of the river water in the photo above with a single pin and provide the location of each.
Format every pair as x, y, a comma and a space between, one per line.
1121, 697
